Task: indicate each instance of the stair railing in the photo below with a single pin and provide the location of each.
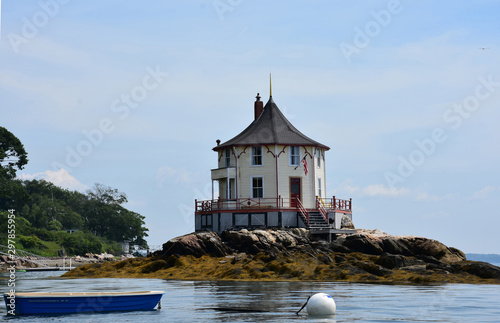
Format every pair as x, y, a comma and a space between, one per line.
321, 207
303, 211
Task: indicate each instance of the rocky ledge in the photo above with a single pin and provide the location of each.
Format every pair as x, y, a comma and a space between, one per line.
291, 254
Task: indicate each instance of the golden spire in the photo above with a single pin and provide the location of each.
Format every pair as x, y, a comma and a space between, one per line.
270, 86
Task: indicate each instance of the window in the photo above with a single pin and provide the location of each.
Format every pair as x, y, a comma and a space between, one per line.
256, 158
257, 187
319, 187
318, 155
229, 188
294, 155
206, 221
227, 157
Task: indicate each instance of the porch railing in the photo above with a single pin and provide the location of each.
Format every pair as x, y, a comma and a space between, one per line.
323, 205
336, 204
240, 204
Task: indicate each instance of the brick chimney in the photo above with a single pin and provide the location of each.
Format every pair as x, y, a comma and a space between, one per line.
258, 107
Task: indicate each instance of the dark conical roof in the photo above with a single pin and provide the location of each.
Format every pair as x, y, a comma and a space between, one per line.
270, 128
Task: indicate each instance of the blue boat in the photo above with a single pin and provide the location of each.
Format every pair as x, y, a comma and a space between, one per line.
84, 302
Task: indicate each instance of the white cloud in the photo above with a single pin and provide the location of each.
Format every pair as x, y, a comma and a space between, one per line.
59, 178
484, 193
346, 188
426, 197
172, 175
372, 190
382, 190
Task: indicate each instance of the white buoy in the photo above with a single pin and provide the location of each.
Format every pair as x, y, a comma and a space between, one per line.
321, 304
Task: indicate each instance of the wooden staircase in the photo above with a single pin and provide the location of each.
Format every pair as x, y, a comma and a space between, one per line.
314, 220
317, 221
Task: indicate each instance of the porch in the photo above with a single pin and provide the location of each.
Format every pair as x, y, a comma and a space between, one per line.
272, 204
260, 212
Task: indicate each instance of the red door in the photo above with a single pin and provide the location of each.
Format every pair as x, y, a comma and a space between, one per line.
294, 191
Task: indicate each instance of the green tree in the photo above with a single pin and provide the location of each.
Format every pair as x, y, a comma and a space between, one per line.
79, 243
55, 225
12, 154
106, 195
106, 217
3, 227
13, 157
45, 211
13, 194
48, 202
30, 242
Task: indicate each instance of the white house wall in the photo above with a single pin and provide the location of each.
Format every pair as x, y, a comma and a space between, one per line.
320, 172
245, 172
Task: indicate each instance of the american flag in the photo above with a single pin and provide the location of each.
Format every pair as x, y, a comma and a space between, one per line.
304, 161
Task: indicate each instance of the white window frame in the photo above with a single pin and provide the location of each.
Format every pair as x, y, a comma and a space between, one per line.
318, 157
252, 187
294, 155
253, 155
228, 189
319, 187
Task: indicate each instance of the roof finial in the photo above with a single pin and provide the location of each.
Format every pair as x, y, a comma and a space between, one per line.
270, 86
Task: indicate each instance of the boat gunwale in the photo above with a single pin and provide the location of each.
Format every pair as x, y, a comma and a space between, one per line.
83, 294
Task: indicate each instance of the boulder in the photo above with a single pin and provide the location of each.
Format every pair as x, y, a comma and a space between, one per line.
391, 261
376, 242
366, 256
433, 248
374, 269
478, 268
195, 244
364, 244
268, 241
346, 222
396, 246
394, 251
387, 252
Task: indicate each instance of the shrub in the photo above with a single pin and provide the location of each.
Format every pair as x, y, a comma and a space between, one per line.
112, 247
54, 225
45, 234
30, 242
80, 243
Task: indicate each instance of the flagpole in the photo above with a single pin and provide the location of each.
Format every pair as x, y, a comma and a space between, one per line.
270, 86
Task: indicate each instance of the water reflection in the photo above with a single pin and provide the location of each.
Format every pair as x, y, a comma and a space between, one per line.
188, 301
276, 301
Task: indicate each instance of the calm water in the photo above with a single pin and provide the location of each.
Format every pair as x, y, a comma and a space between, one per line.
187, 301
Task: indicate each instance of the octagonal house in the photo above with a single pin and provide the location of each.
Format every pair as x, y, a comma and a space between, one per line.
272, 176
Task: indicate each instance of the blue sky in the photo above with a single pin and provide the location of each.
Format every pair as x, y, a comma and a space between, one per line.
134, 94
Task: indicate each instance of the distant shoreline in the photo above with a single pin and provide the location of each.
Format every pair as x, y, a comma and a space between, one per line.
492, 258
61, 262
